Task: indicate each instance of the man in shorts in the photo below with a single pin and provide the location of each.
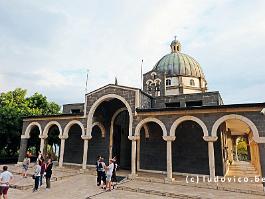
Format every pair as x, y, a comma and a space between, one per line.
5, 178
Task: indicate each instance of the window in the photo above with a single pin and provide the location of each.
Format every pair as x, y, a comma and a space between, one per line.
158, 87
74, 111
192, 83
168, 82
173, 104
193, 103
149, 88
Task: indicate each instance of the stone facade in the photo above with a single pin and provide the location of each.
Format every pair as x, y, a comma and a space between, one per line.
151, 131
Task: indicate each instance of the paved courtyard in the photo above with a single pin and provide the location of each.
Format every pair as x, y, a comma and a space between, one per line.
84, 186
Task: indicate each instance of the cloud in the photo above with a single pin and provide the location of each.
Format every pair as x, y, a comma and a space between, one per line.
48, 47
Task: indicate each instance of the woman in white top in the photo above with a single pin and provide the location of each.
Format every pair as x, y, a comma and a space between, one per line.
109, 170
37, 170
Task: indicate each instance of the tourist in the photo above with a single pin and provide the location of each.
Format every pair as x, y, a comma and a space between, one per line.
98, 164
40, 156
36, 175
5, 178
25, 166
43, 168
114, 177
48, 173
109, 170
102, 172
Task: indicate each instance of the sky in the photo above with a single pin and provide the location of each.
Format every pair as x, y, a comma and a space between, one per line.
48, 46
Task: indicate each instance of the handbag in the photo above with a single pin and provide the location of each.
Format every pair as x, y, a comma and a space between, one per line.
33, 177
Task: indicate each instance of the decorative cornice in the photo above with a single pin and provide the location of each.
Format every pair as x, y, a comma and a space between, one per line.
210, 138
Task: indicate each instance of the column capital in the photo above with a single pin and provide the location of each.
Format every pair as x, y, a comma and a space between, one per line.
24, 137
169, 138
86, 137
63, 137
210, 138
43, 136
134, 138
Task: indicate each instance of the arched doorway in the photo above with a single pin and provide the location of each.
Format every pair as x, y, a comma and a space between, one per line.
52, 142
97, 146
189, 150
104, 111
151, 147
33, 145
240, 152
152, 150
73, 151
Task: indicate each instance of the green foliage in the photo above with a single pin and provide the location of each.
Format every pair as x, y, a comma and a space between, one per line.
242, 150
14, 105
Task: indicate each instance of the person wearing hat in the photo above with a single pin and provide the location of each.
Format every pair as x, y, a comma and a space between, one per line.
109, 171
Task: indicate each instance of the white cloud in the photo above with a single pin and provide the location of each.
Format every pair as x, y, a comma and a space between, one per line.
55, 42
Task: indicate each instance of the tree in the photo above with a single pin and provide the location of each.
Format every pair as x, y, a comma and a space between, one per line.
14, 105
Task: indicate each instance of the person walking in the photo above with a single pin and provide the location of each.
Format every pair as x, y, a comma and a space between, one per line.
36, 175
48, 173
5, 179
25, 166
109, 170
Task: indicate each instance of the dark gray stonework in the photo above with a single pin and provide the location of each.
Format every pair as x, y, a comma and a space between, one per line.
73, 108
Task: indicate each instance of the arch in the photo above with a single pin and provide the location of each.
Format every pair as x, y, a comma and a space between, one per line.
251, 125
150, 119
146, 131
98, 102
29, 127
188, 118
102, 128
47, 127
149, 81
69, 125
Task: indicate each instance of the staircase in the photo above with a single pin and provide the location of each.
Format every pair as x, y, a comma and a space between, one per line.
242, 169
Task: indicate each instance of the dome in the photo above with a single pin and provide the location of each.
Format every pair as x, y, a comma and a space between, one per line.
177, 63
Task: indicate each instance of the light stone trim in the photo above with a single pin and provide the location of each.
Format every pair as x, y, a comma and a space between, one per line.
47, 127
252, 126
146, 131
98, 102
150, 119
111, 85
210, 138
68, 127
169, 138
29, 127
102, 128
188, 118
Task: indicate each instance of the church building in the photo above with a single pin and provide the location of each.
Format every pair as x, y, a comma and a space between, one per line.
174, 126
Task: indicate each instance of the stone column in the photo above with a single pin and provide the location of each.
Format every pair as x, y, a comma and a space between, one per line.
42, 142
85, 138
23, 148
169, 140
133, 161
61, 150
211, 140
236, 154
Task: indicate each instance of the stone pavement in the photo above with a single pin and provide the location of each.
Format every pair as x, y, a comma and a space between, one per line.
84, 186
74, 183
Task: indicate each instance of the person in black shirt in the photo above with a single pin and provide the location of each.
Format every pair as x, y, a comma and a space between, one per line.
48, 173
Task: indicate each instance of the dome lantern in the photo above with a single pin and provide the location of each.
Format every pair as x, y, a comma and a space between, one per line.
175, 46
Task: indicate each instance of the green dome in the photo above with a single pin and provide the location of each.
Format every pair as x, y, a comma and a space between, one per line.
177, 63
